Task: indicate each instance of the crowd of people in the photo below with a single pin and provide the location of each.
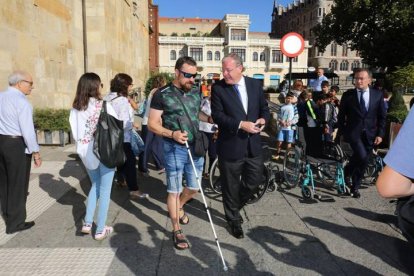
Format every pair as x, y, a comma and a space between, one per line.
231, 113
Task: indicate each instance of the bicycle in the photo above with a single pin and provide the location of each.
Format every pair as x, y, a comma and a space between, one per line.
270, 178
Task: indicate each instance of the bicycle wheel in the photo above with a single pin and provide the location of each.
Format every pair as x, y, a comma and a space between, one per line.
291, 167
263, 186
214, 179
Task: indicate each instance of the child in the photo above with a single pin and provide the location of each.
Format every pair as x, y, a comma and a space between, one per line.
328, 117
286, 119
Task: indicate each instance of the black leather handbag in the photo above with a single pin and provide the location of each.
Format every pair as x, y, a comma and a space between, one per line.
109, 140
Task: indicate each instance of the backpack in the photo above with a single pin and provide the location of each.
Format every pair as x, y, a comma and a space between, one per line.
109, 139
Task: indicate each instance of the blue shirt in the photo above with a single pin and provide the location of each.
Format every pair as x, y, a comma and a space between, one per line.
316, 83
16, 117
400, 155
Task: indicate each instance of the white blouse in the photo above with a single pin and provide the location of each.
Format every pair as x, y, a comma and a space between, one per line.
122, 108
83, 126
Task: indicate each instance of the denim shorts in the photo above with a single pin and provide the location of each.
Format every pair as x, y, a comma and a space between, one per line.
285, 135
177, 163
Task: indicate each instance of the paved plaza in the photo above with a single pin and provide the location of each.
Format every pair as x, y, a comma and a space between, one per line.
284, 235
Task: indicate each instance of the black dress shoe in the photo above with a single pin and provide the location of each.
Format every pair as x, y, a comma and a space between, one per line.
355, 194
24, 226
237, 231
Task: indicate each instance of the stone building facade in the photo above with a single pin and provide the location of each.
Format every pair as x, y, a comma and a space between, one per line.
211, 39
57, 41
301, 16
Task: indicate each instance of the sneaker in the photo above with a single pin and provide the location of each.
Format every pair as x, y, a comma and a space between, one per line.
275, 157
105, 233
138, 194
86, 228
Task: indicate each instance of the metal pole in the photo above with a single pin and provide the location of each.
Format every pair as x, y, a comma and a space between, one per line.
290, 72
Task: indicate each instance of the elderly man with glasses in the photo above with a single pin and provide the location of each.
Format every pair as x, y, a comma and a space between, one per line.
17, 147
174, 104
240, 110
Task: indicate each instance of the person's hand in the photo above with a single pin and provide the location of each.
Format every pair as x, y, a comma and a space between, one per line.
377, 140
37, 161
249, 127
180, 137
215, 135
261, 122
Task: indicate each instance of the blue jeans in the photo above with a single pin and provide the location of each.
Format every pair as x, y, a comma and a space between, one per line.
178, 162
101, 179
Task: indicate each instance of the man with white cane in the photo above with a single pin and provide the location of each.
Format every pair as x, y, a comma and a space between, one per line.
179, 101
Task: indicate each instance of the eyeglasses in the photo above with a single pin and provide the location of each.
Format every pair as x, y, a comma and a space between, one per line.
188, 75
29, 82
228, 70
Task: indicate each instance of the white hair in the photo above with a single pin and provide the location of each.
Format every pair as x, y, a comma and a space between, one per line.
17, 76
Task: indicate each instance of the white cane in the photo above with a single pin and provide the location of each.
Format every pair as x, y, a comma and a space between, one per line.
225, 268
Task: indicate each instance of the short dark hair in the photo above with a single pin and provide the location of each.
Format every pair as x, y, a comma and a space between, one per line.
185, 60
335, 88
290, 95
325, 82
359, 70
120, 84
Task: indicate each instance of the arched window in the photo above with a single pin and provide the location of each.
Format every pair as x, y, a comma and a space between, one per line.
173, 55
333, 49
255, 56
355, 64
262, 56
344, 50
217, 56
209, 55
343, 66
333, 65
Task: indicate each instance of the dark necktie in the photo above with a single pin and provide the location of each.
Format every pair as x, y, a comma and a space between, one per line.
362, 103
238, 92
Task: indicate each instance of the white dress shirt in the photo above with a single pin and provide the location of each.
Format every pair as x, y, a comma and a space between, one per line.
365, 96
241, 86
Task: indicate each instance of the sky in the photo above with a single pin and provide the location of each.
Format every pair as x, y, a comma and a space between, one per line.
260, 11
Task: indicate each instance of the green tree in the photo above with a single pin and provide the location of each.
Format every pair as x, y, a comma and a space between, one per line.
403, 78
381, 30
148, 85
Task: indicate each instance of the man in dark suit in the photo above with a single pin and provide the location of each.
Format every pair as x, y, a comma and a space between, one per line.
240, 111
361, 121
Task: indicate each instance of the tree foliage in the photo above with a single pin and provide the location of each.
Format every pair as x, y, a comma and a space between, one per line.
381, 30
403, 78
148, 85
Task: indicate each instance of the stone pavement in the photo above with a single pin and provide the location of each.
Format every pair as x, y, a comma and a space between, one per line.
284, 234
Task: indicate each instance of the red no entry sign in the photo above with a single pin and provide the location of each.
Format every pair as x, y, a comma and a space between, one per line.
292, 44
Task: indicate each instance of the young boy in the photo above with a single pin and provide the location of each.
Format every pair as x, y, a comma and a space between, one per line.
286, 119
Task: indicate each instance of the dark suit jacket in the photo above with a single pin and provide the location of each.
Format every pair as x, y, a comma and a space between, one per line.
227, 112
351, 121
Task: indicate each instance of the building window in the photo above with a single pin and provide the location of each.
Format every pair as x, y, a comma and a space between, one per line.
196, 54
277, 56
295, 59
343, 66
238, 34
262, 56
255, 56
333, 65
209, 55
344, 50
181, 53
355, 64
217, 56
333, 49
240, 52
173, 55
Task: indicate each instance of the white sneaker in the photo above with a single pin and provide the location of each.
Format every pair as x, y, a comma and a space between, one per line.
138, 194
105, 233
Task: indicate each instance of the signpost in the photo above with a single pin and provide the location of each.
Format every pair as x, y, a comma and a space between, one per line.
292, 45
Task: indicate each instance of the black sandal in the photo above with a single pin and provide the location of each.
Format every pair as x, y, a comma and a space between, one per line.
184, 219
178, 241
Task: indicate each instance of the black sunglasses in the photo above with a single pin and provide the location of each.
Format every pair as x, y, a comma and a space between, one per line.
188, 75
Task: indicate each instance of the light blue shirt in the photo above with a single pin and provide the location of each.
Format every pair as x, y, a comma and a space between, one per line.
16, 117
365, 96
316, 83
400, 155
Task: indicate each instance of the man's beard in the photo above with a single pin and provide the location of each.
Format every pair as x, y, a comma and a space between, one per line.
187, 87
